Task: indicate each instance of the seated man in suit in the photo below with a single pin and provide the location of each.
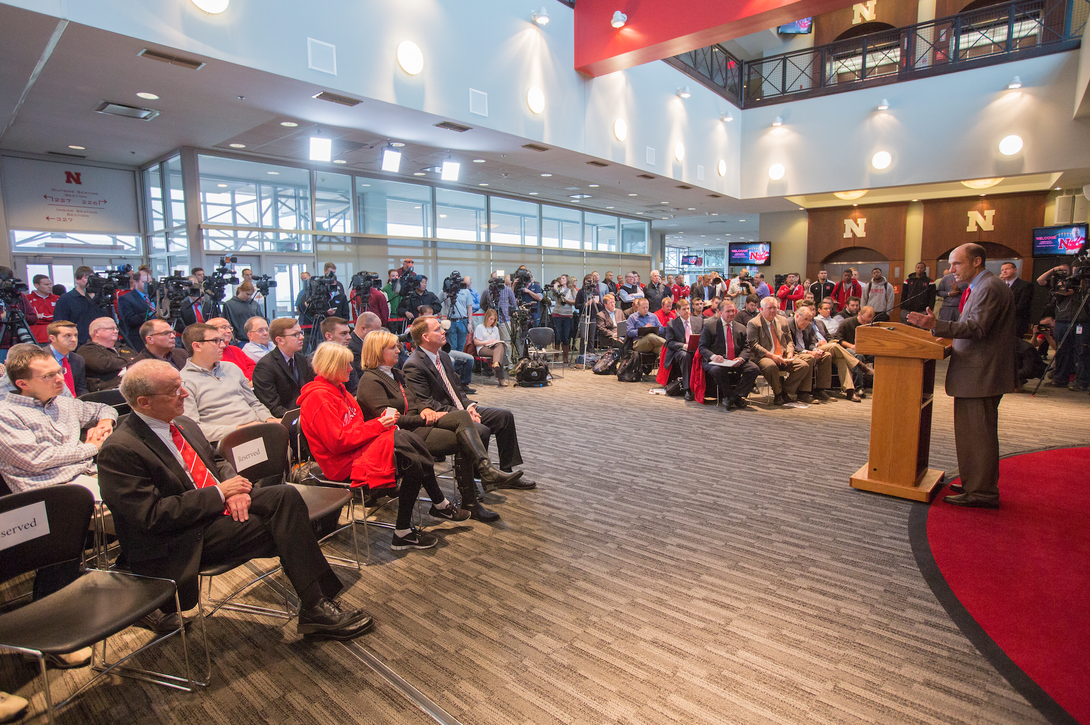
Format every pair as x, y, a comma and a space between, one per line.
845, 337
639, 319
724, 340
611, 325
219, 397
678, 354
63, 336
280, 375
430, 376
774, 353
178, 507
231, 352
800, 329
158, 337
133, 310
105, 362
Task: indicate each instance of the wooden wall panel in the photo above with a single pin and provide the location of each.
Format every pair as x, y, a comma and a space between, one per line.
946, 224
898, 13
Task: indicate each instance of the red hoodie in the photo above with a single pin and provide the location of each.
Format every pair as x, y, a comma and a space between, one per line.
344, 445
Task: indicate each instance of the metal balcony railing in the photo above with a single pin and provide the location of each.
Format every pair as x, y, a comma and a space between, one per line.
994, 34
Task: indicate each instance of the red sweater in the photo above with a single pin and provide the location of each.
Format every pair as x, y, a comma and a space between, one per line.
344, 445
43, 307
841, 293
235, 355
789, 296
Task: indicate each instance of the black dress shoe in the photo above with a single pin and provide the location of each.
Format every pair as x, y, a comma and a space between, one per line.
804, 398
468, 390
492, 477
974, 500
519, 483
823, 396
480, 513
164, 623
779, 400
326, 620
957, 488
689, 397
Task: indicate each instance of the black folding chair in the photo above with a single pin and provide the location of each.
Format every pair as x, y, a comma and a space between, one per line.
109, 397
540, 338
91, 609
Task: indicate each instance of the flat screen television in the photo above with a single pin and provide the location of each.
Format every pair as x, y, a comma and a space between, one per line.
1058, 241
749, 254
692, 260
799, 27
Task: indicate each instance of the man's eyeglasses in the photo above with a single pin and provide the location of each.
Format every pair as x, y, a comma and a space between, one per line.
294, 334
164, 332
215, 340
50, 376
177, 393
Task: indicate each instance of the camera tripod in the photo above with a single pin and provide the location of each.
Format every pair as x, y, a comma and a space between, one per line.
15, 321
1060, 345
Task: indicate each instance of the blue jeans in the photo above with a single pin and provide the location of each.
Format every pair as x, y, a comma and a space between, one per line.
456, 335
462, 362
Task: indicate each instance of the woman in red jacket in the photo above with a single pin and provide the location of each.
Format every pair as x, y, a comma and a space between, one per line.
368, 453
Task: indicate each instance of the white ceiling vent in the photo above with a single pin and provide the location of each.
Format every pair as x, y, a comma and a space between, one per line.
120, 109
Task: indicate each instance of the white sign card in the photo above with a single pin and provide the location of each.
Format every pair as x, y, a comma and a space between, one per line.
23, 524
249, 454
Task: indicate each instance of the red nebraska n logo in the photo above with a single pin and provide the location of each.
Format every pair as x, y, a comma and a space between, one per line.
72, 177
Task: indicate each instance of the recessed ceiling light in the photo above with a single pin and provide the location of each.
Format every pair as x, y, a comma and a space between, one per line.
546, 175
364, 184
482, 184
609, 207
533, 193
915, 200
418, 173
77, 148
147, 96
715, 213
339, 161
410, 58
273, 173
639, 212
478, 161
982, 183
632, 195
397, 144
664, 202
579, 196
288, 124
593, 186
222, 186
855, 204
212, 7
692, 208
741, 220
849, 195
237, 145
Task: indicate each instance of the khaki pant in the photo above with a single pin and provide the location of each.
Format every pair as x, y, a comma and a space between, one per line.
649, 343
794, 377
822, 370
845, 363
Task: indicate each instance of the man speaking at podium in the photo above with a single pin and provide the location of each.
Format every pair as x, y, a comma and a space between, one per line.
981, 370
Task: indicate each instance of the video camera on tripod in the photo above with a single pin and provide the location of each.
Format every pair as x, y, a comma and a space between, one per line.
11, 301
263, 283
215, 284
169, 295
521, 279
454, 284
102, 288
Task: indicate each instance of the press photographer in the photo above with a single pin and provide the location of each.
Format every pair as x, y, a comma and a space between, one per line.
366, 296
134, 309
324, 297
76, 304
1068, 286
16, 314
171, 295
500, 298
458, 308
529, 294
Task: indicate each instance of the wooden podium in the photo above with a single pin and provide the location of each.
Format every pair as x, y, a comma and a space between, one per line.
900, 429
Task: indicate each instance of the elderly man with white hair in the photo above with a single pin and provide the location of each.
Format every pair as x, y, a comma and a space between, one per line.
774, 352
105, 362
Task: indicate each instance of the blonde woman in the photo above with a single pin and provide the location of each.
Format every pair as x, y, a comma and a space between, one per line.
487, 339
368, 452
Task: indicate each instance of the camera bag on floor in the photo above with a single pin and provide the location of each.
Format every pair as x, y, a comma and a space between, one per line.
531, 373
630, 369
607, 363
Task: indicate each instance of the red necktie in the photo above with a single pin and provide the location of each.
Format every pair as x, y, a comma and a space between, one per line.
729, 334
68, 379
197, 312
964, 299
201, 477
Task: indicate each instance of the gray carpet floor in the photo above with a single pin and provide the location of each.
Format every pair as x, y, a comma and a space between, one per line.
677, 564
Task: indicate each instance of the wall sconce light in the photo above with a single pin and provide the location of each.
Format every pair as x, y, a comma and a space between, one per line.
776, 172
1015, 83
619, 19
1010, 145
683, 92
212, 7
884, 105
881, 160
777, 122
620, 129
726, 117
540, 16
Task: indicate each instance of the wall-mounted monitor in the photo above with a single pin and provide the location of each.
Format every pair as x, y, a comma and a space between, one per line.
692, 260
1058, 241
749, 254
799, 27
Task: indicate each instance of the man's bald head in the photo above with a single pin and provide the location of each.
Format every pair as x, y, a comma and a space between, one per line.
367, 322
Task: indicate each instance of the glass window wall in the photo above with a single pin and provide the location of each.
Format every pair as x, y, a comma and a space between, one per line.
634, 236
246, 193
393, 207
600, 232
461, 215
561, 227
333, 203
514, 222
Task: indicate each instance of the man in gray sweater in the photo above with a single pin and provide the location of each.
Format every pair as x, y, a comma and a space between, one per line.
878, 293
220, 398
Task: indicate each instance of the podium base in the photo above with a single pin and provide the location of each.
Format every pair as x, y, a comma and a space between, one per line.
924, 489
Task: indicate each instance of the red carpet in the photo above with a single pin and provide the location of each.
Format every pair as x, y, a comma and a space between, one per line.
1022, 573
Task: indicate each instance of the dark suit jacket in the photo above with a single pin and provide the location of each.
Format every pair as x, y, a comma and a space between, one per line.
608, 325
355, 344
809, 336
132, 312
102, 366
188, 316
158, 514
422, 378
378, 391
982, 363
1023, 298
275, 386
714, 342
176, 357
79, 370
676, 341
